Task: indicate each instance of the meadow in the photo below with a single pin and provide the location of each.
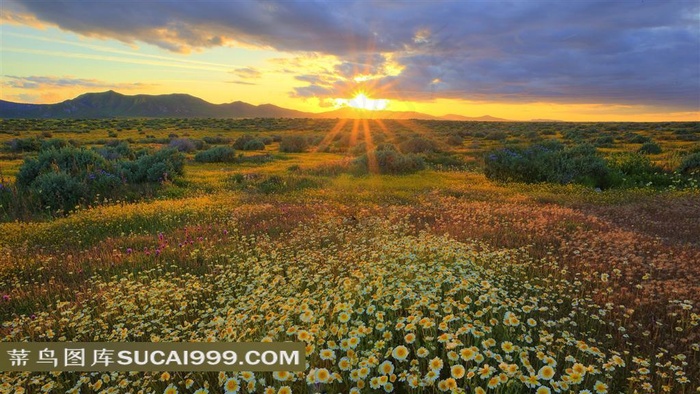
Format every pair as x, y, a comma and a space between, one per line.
409, 256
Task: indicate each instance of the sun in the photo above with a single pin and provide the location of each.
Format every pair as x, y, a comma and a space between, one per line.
362, 101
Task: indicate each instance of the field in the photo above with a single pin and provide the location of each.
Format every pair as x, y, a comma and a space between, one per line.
382, 245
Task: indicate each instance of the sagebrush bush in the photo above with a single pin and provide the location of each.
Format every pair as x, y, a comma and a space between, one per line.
496, 136
361, 148
54, 143
454, 140
216, 140
419, 145
257, 159
387, 162
61, 179
548, 163
17, 145
242, 143
255, 144
186, 145
605, 141
116, 150
638, 138
218, 154
444, 160
165, 164
293, 144
690, 164
636, 169
75, 162
650, 148
59, 191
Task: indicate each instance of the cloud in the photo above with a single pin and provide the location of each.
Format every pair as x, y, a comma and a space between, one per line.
242, 82
622, 52
54, 82
361, 64
247, 73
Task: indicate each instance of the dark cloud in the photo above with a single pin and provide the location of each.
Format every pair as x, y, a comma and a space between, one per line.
361, 64
618, 52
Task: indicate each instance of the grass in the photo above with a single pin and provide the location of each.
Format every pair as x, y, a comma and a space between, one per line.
487, 285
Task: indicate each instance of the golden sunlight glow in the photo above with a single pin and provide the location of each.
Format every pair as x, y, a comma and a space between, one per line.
361, 101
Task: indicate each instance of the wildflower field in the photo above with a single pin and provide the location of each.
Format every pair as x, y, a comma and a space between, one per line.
381, 245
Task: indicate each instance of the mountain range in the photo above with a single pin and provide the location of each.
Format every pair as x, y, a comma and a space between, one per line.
111, 104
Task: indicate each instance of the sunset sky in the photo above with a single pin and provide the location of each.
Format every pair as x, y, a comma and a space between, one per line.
520, 60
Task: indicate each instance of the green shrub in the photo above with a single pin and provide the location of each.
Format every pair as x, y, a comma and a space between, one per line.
605, 141
59, 191
650, 148
636, 169
690, 164
533, 135
444, 160
217, 140
454, 140
581, 164
165, 164
638, 138
257, 159
688, 137
418, 145
8, 199
387, 162
186, 145
75, 162
54, 143
630, 163
240, 142
271, 184
116, 150
218, 154
17, 145
255, 144
61, 179
358, 149
540, 163
293, 144
496, 136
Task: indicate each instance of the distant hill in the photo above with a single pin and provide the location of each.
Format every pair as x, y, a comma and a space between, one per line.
111, 104
485, 118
